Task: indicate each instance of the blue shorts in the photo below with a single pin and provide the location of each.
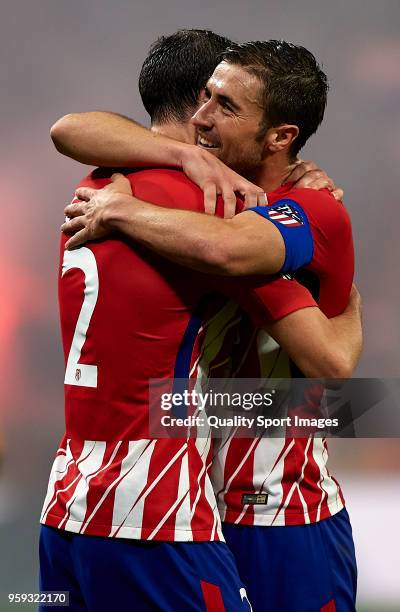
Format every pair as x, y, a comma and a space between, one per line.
105, 574
300, 568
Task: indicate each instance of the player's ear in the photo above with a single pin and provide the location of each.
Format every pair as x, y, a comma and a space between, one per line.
281, 137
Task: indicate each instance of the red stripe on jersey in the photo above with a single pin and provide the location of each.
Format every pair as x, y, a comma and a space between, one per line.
291, 473
312, 495
163, 496
329, 607
239, 468
101, 494
64, 487
204, 509
294, 518
212, 597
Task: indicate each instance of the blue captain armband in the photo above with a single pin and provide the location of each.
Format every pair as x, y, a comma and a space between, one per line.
291, 220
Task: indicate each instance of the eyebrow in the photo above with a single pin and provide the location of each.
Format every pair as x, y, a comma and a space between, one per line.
223, 98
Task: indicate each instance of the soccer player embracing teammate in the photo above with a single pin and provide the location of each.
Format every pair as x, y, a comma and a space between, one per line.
129, 315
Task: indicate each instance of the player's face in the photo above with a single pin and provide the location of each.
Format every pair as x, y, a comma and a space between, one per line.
228, 122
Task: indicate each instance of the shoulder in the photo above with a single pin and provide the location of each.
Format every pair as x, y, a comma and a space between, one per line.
163, 186
163, 176
172, 183
320, 207
167, 187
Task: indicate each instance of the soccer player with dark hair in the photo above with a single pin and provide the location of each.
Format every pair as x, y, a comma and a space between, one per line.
297, 241
178, 65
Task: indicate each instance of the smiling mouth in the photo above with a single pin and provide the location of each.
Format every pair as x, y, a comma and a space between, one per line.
204, 142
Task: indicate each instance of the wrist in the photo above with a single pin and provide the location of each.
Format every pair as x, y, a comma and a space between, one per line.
187, 153
117, 210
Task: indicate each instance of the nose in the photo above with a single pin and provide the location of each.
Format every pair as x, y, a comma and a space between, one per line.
203, 117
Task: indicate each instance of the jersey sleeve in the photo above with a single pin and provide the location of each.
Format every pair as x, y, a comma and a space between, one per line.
267, 299
331, 231
292, 222
313, 226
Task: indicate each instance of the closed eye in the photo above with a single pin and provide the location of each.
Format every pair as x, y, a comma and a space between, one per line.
227, 106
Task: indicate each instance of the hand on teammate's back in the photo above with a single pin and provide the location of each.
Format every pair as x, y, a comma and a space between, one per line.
307, 175
87, 218
215, 178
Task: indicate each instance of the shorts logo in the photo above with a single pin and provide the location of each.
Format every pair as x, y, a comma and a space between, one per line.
255, 499
77, 374
285, 214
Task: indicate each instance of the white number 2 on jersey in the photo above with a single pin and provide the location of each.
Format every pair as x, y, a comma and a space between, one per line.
81, 374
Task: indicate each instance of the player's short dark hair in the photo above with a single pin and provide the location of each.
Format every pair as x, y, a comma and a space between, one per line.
175, 71
294, 87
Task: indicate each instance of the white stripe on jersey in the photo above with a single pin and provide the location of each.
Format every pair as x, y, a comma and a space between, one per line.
268, 474
60, 467
135, 514
184, 496
295, 486
242, 462
71, 484
326, 483
128, 509
221, 448
212, 502
106, 492
203, 447
88, 467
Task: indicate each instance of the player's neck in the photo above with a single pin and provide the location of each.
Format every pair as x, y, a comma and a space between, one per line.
184, 132
272, 173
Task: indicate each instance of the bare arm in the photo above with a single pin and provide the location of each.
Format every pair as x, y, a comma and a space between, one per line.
107, 139
333, 346
321, 347
244, 245
112, 140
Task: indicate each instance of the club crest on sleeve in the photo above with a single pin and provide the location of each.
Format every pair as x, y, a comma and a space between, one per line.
286, 214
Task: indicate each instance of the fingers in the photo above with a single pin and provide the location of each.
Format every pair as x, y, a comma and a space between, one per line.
210, 198
315, 179
262, 199
300, 169
77, 239
74, 225
229, 198
254, 197
250, 199
117, 176
121, 183
338, 194
316, 184
85, 193
75, 210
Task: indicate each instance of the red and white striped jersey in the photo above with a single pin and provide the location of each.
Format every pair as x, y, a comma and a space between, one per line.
290, 476
128, 316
